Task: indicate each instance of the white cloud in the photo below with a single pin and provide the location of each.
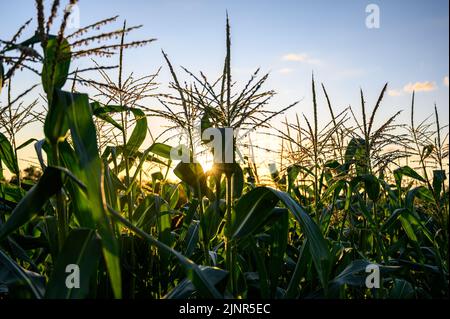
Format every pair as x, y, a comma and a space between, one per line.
285, 70
301, 57
420, 86
446, 81
394, 92
295, 57
425, 86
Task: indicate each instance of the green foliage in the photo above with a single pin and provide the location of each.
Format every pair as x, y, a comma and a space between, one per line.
7, 155
56, 64
337, 206
32, 202
82, 248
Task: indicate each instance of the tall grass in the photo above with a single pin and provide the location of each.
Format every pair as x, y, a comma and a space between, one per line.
339, 202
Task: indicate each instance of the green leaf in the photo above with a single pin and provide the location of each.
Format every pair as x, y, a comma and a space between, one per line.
388, 189
353, 146
304, 258
81, 248
335, 188
146, 211
111, 191
56, 126
292, 173
11, 193
191, 236
438, 180
161, 149
186, 289
36, 197
406, 171
230, 169
80, 201
165, 235
102, 113
402, 289
139, 132
210, 222
7, 155
2, 75
420, 192
263, 275
26, 143
279, 239
13, 276
156, 176
56, 65
201, 282
29, 42
193, 175
253, 209
83, 132
354, 274
407, 226
426, 151
371, 185
49, 228
410, 221
388, 224
333, 164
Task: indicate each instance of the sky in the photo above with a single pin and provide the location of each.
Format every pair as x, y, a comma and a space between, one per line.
289, 39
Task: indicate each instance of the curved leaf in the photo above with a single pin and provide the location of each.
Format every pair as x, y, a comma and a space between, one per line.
371, 185
406, 171
81, 248
56, 65
186, 288
7, 155
193, 175
253, 209
55, 125
11, 274
2, 74
102, 113
193, 271
36, 197
26, 143
402, 289
84, 137
139, 132
161, 149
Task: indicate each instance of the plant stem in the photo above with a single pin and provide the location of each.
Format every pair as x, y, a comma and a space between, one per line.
229, 260
205, 241
60, 209
13, 132
124, 122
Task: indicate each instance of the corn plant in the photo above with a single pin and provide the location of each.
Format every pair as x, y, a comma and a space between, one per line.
346, 196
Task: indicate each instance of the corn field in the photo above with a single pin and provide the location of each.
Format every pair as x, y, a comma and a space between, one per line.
348, 199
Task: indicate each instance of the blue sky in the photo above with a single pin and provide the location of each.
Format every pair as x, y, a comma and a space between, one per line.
291, 39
